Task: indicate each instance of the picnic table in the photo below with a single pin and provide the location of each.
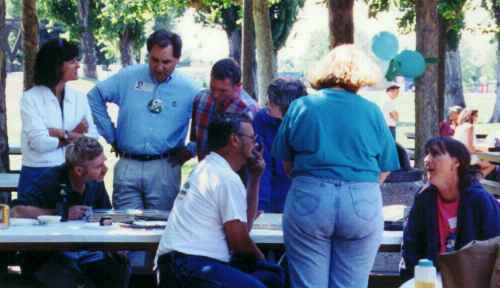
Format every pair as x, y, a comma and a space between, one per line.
15, 149
411, 283
78, 235
493, 157
410, 135
8, 182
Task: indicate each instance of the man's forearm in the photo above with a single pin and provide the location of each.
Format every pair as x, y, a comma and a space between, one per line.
30, 211
253, 187
383, 176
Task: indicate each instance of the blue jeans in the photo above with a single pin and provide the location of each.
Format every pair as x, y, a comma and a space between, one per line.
179, 270
27, 177
332, 231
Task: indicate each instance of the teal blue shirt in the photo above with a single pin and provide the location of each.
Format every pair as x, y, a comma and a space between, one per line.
336, 134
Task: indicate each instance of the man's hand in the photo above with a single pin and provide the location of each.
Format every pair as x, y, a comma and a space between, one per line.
73, 136
82, 127
256, 164
56, 132
114, 149
179, 156
76, 212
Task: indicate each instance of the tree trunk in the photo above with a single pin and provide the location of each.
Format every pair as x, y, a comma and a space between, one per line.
30, 28
454, 91
496, 112
87, 41
441, 69
264, 43
275, 61
426, 92
340, 22
125, 44
4, 140
248, 50
234, 41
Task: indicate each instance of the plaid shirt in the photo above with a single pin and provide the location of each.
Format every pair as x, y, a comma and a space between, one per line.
205, 110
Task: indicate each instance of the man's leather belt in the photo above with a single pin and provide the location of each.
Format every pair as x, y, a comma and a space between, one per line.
145, 157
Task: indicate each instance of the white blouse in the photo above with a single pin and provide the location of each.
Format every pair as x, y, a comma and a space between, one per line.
40, 110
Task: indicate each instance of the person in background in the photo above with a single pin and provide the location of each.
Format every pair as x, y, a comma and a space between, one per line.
449, 212
82, 179
206, 242
225, 95
389, 108
53, 114
447, 127
338, 149
275, 182
465, 133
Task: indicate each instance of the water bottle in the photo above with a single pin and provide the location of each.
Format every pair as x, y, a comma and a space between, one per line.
63, 204
4, 216
425, 274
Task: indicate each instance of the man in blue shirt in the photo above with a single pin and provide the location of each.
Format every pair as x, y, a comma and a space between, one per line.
80, 179
155, 103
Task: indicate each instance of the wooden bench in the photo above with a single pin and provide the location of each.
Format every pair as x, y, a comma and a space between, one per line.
8, 184
15, 149
492, 186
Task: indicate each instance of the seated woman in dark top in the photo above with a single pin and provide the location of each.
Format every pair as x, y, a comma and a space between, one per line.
452, 210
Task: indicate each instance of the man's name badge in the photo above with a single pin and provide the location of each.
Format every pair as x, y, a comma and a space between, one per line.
144, 86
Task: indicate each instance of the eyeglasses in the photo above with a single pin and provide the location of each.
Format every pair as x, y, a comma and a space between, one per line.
253, 137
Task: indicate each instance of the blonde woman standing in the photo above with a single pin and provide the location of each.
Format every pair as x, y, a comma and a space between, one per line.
338, 148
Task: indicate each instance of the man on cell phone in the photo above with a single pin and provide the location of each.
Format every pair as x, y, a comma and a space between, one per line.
207, 236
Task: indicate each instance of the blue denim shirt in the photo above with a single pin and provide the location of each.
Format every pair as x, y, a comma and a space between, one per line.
274, 183
139, 130
336, 134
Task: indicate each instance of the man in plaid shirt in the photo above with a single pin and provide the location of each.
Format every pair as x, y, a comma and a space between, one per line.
224, 96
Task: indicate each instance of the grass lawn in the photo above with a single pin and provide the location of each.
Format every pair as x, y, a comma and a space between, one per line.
405, 104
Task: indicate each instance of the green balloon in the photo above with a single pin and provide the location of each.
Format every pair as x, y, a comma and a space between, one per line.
410, 64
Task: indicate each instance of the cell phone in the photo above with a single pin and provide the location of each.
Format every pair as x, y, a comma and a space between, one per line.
258, 148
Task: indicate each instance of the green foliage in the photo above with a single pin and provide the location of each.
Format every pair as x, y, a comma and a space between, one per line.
451, 13
14, 8
228, 14
109, 19
65, 14
283, 14
167, 19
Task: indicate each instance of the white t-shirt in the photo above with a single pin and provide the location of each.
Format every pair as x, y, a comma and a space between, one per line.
461, 135
212, 196
40, 110
388, 107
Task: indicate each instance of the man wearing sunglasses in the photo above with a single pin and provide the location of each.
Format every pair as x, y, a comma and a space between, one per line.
207, 239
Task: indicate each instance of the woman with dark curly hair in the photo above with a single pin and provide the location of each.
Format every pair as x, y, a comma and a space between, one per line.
53, 115
452, 210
